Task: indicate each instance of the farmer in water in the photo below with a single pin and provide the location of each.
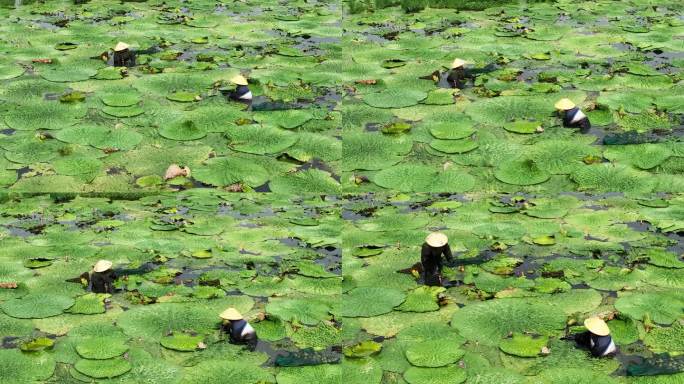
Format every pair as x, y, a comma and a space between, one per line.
436, 244
123, 56
457, 74
237, 328
572, 116
242, 92
102, 278
597, 338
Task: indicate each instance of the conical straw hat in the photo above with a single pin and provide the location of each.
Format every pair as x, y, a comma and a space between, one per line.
231, 314
597, 326
564, 104
458, 63
120, 46
436, 239
102, 265
239, 80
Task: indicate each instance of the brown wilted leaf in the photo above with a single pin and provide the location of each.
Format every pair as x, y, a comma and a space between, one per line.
42, 61
11, 285
174, 171
367, 81
237, 187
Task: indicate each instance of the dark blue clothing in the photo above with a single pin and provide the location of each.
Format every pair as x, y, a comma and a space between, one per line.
569, 116
431, 259
598, 345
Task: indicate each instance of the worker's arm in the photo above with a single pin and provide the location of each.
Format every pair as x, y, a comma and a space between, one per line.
447, 253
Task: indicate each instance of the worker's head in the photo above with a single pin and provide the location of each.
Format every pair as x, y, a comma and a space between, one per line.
436, 239
102, 266
597, 326
120, 46
458, 63
564, 105
238, 80
230, 314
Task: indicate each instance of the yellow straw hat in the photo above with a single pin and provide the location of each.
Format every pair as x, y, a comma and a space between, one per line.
231, 314
597, 326
436, 239
564, 104
239, 80
102, 265
121, 46
458, 63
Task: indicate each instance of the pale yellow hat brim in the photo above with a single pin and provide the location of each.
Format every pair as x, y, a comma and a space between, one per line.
436, 239
597, 326
102, 265
121, 46
564, 104
458, 63
239, 80
231, 314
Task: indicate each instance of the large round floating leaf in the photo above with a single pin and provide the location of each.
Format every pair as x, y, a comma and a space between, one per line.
101, 348
223, 171
37, 306
260, 140
183, 130
642, 156
155, 321
121, 99
102, 369
129, 111
522, 126
455, 130
482, 322
183, 96
288, 119
115, 138
444, 375
310, 180
575, 376
454, 146
613, 178
394, 98
19, 367
89, 304
9, 71
523, 345
43, 115
663, 307
561, 157
423, 178
370, 301
181, 341
373, 151
521, 172
309, 311
66, 74
433, 354
322, 373
222, 371
421, 299
77, 165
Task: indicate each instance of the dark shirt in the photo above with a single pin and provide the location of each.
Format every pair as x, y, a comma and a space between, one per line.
457, 78
568, 115
431, 258
234, 332
240, 91
102, 282
125, 58
598, 345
